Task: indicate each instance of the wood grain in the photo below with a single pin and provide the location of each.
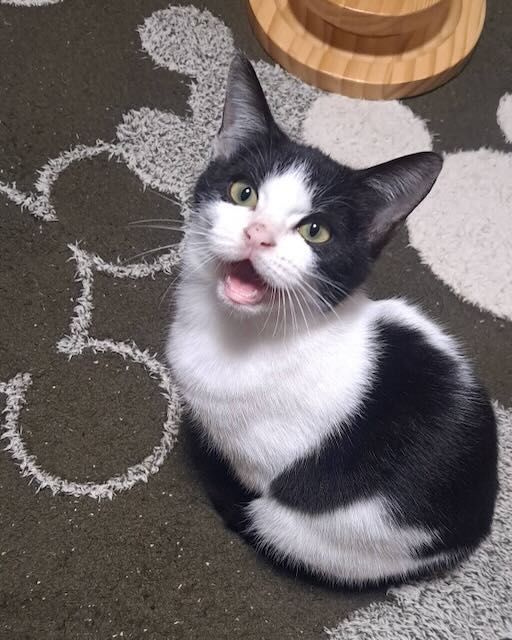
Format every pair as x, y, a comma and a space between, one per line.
377, 17
386, 7
369, 66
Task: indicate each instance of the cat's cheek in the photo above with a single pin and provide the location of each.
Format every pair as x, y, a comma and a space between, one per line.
290, 262
227, 231
227, 215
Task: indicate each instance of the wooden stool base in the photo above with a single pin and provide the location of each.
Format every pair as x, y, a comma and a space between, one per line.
368, 66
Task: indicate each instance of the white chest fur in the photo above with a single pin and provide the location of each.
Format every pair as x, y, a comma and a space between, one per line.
264, 402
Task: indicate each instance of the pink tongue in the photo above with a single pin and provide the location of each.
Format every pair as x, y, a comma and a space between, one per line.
243, 285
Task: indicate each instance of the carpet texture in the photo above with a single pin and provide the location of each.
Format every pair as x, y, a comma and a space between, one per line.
107, 114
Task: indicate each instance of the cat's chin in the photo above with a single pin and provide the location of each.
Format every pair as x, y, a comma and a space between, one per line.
242, 288
242, 309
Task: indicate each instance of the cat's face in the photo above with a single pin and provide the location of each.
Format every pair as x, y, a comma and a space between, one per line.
278, 224
278, 221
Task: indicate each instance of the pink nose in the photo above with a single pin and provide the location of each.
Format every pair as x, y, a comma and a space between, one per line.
259, 235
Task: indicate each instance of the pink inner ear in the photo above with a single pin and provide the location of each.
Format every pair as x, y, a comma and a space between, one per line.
243, 285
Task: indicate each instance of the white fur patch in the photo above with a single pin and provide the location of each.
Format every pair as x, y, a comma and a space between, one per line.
402, 313
355, 544
285, 197
267, 401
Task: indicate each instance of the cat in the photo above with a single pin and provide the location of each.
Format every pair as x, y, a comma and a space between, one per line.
357, 443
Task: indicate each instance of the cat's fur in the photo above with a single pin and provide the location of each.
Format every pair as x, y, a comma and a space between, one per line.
361, 443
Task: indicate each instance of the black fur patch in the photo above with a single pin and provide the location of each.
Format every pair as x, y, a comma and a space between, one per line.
422, 440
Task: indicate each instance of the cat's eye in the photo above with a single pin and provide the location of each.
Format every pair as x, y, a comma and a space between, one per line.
314, 232
243, 194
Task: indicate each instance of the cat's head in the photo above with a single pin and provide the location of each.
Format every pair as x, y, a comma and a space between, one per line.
277, 220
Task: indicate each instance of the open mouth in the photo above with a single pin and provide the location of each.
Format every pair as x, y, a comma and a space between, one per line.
242, 285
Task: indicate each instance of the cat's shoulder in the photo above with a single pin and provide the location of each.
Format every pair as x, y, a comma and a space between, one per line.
397, 320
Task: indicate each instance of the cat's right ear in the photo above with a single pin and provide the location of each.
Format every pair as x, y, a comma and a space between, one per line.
246, 112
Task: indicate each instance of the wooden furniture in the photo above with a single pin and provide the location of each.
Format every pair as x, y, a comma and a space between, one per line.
370, 48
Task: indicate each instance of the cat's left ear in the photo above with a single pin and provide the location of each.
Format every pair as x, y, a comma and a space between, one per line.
395, 189
246, 112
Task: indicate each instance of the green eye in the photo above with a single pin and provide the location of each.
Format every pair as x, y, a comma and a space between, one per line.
243, 194
314, 232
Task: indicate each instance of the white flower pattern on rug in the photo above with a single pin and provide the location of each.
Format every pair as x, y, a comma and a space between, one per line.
166, 151
30, 3
79, 341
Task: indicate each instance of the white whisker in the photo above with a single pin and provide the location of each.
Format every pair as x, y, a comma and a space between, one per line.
271, 308
143, 221
149, 251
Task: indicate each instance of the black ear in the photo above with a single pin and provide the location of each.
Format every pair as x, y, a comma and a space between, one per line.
246, 111
395, 189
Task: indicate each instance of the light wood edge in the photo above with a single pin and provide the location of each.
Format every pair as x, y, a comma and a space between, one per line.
387, 7
361, 88
357, 20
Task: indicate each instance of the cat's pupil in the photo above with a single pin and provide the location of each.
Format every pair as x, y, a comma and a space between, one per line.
314, 229
245, 194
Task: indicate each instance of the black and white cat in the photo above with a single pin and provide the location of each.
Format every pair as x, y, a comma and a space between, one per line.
361, 442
